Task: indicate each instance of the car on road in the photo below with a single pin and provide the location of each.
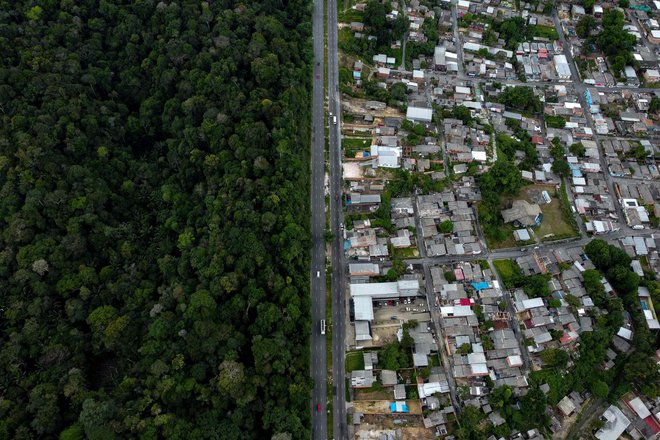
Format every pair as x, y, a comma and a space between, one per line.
536, 247
393, 318
318, 407
336, 196
318, 273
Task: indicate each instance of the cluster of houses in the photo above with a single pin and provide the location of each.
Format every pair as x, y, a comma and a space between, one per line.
480, 337
624, 112
619, 156
637, 417
638, 22
462, 238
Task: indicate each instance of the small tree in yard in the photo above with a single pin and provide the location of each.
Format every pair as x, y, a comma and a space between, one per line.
446, 227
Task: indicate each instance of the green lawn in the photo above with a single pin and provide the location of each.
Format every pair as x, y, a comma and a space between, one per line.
553, 219
506, 269
349, 15
354, 361
358, 143
545, 32
403, 253
553, 225
434, 360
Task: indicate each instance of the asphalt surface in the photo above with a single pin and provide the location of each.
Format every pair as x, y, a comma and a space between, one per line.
435, 314
317, 275
457, 37
340, 428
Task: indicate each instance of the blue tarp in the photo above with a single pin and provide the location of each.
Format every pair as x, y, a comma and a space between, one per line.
398, 407
347, 244
480, 285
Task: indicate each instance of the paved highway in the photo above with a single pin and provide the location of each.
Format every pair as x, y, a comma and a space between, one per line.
317, 290
340, 428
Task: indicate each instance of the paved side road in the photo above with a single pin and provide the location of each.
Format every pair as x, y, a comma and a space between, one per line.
318, 405
339, 422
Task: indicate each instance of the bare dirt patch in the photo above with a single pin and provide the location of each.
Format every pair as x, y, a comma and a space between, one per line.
383, 407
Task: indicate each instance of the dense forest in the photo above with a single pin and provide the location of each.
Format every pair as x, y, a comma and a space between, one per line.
154, 217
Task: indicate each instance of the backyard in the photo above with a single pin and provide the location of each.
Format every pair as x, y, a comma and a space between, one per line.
553, 226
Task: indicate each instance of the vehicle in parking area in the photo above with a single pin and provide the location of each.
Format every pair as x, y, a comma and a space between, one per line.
393, 317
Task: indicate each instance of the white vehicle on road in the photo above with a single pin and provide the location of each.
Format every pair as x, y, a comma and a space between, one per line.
323, 326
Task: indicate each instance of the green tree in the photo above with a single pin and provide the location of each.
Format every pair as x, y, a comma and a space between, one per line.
465, 349
599, 388
463, 113
561, 167
446, 227
577, 149
654, 106
585, 26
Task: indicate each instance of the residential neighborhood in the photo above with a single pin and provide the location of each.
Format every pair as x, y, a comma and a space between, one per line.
501, 201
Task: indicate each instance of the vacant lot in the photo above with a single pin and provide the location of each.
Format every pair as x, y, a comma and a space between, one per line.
553, 220
354, 361
506, 269
383, 406
373, 393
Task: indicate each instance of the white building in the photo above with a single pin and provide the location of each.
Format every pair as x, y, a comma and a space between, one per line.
419, 114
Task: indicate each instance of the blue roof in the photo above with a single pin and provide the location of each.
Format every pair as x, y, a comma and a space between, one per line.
480, 285
403, 407
347, 244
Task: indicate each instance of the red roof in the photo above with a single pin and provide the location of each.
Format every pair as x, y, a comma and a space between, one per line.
565, 339
466, 301
650, 421
459, 274
538, 140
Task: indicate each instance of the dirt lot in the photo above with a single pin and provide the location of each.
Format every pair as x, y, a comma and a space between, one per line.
357, 106
385, 313
383, 334
373, 425
383, 407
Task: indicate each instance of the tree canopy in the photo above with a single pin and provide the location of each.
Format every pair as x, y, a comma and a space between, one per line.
520, 98
154, 172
